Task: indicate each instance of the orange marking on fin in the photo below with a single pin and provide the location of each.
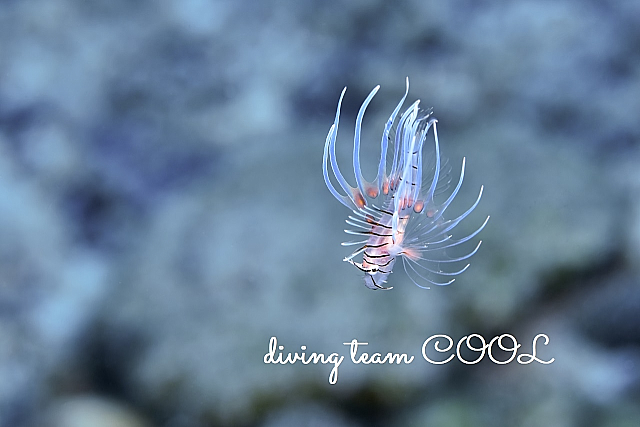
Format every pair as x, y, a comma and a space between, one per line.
359, 199
417, 208
372, 192
385, 186
411, 253
431, 213
406, 202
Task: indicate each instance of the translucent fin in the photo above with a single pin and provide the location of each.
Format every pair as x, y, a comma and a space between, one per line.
330, 152
382, 173
356, 140
436, 173
453, 243
457, 259
406, 261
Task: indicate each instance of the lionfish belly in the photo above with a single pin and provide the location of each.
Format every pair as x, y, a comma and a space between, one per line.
396, 214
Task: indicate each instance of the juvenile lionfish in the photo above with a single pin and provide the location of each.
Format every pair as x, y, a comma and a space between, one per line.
407, 221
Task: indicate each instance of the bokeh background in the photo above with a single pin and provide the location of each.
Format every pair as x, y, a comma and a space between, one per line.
163, 213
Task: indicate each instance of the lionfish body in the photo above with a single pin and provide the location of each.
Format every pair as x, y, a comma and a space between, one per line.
406, 222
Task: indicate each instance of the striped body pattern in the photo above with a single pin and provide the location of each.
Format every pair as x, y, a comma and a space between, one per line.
397, 215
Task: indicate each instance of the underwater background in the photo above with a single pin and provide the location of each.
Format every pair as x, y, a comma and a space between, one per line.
163, 212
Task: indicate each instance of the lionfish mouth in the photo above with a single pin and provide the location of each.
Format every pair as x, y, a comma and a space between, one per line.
397, 214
